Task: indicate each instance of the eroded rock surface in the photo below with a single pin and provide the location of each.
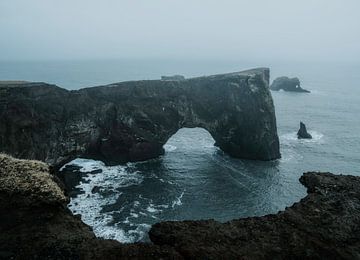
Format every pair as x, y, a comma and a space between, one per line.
323, 225
287, 84
131, 121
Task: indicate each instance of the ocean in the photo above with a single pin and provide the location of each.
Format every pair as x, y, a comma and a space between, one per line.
194, 179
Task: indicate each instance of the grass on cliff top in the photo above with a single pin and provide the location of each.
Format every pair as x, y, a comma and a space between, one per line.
30, 179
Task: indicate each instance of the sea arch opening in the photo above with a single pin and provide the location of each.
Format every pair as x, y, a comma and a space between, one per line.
190, 140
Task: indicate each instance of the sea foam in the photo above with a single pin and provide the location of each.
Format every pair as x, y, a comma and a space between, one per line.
89, 204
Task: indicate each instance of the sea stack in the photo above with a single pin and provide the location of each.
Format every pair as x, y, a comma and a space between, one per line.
302, 133
287, 84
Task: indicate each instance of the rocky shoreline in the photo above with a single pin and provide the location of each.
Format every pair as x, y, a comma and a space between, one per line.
36, 224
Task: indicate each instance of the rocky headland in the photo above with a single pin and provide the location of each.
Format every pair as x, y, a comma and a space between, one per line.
35, 224
131, 121
287, 84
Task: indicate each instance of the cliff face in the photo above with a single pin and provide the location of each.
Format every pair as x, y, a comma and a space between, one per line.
131, 121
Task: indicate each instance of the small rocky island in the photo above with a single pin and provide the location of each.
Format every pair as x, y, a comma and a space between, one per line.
131, 121
303, 133
287, 84
36, 224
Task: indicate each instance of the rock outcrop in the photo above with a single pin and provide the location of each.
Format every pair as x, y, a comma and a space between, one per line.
303, 133
287, 84
35, 224
174, 78
131, 121
323, 225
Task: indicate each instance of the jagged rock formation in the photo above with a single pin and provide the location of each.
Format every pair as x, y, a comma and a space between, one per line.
302, 133
323, 225
175, 78
35, 224
287, 84
131, 121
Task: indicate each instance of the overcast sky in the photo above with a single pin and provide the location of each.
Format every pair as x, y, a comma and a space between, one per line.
180, 29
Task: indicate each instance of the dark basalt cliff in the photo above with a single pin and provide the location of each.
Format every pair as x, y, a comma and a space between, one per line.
287, 84
131, 121
35, 224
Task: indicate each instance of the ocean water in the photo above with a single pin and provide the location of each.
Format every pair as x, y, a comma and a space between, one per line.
194, 179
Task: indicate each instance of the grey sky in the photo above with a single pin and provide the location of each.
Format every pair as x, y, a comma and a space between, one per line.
196, 29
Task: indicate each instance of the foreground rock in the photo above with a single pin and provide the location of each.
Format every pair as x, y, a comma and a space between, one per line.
302, 133
35, 223
323, 225
287, 84
131, 121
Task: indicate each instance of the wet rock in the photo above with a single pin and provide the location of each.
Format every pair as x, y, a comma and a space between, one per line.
71, 177
97, 171
287, 84
302, 133
131, 121
95, 189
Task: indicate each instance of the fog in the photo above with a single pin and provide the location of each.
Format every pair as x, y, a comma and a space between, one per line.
309, 30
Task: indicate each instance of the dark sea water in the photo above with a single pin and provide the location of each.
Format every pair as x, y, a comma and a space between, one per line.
194, 179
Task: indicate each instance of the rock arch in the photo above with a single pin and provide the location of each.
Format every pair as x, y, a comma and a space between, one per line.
131, 121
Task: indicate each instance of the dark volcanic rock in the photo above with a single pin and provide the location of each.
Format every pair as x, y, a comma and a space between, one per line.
35, 223
287, 84
302, 133
175, 77
131, 121
323, 225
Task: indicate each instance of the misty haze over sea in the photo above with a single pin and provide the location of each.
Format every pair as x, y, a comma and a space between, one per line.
86, 43
194, 179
